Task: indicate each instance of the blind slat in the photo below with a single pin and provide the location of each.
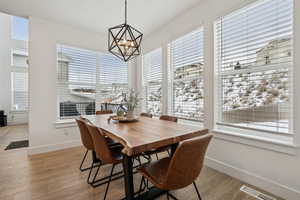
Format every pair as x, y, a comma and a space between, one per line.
152, 81
254, 56
86, 78
186, 77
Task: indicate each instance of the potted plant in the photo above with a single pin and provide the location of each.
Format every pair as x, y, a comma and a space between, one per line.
130, 101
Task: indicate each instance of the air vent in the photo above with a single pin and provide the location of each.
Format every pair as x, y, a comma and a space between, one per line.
254, 193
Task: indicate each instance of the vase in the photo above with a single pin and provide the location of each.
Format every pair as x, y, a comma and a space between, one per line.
130, 114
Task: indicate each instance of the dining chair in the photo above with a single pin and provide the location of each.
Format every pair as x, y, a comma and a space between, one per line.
168, 118
103, 112
87, 142
167, 149
107, 155
146, 115
179, 171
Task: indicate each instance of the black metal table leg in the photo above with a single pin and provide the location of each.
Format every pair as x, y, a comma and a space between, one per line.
128, 177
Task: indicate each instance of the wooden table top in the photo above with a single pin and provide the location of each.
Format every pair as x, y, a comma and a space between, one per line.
145, 134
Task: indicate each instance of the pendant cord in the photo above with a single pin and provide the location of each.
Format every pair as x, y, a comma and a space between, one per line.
125, 11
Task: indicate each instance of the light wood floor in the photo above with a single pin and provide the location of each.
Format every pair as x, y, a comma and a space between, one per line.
55, 176
12, 133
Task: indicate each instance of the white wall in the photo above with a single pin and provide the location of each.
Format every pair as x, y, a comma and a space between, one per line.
6, 44
271, 170
44, 35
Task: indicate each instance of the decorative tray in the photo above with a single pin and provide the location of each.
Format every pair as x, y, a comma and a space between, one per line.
124, 118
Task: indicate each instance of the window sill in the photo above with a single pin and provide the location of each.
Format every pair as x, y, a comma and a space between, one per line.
64, 123
19, 111
286, 146
190, 123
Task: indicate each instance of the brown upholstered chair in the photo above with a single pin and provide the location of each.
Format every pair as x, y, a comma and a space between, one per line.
168, 118
107, 155
146, 115
104, 112
179, 171
86, 140
167, 149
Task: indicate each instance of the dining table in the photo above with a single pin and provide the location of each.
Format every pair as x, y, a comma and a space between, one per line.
143, 135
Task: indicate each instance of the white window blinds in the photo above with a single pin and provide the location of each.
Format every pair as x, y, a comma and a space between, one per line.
113, 80
86, 78
19, 80
76, 81
19, 91
186, 76
254, 58
152, 82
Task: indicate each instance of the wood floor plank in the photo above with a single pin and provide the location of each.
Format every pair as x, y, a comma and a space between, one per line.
55, 176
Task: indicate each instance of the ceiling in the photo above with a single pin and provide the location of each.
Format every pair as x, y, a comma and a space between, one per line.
99, 15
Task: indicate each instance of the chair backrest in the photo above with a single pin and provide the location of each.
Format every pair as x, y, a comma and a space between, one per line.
85, 135
147, 115
168, 118
104, 112
187, 162
100, 144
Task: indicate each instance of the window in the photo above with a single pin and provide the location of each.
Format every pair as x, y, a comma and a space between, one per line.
113, 80
152, 82
186, 76
20, 58
19, 28
254, 59
19, 80
19, 91
86, 78
76, 81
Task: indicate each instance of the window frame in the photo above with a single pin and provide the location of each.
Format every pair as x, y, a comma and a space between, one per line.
18, 69
146, 83
277, 141
170, 76
67, 121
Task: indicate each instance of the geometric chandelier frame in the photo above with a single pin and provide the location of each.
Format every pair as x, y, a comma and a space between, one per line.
124, 41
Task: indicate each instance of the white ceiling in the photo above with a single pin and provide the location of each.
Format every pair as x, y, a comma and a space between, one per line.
99, 15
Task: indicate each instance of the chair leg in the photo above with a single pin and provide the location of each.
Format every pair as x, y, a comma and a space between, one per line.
139, 160
84, 157
147, 184
171, 195
90, 173
109, 180
168, 196
199, 196
149, 159
95, 176
142, 187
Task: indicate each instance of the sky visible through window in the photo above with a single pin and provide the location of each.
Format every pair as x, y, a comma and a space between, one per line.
19, 28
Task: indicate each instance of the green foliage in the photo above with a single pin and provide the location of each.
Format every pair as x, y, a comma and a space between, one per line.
130, 100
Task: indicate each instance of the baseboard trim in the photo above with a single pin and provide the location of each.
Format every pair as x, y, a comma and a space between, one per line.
53, 147
253, 179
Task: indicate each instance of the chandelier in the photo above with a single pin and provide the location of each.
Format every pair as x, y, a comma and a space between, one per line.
124, 41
